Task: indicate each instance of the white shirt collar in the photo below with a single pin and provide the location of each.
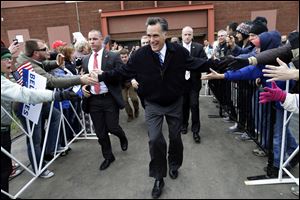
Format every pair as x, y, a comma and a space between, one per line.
187, 46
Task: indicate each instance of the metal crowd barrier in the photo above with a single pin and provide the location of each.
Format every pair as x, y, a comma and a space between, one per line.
240, 101
85, 123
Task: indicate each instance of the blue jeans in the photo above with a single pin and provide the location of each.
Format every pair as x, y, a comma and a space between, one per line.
37, 133
290, 141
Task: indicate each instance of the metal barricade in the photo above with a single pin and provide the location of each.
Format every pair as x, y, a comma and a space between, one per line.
38, 168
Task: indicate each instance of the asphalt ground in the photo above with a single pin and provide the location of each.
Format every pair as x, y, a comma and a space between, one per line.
216, 168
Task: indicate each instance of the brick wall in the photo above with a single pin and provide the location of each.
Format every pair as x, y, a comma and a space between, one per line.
38, 18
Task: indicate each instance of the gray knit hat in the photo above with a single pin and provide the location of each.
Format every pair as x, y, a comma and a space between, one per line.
243, 28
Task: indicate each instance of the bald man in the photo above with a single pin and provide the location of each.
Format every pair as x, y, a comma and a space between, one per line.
191, 96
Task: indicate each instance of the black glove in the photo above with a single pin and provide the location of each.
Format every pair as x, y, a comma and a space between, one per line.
222, 65
238, 63
293, 38
65, 95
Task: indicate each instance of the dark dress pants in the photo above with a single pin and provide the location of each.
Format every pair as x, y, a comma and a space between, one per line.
154, 115
6, 165
104, 112
191, 103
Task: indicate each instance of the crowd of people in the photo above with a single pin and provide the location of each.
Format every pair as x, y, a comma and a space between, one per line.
163, 74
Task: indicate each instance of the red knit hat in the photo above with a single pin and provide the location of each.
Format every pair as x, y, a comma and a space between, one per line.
58, 43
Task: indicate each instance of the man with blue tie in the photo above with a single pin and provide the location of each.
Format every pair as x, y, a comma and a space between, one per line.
105, 98
159, 68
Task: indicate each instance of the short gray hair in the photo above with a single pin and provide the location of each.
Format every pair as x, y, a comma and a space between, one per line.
97, 31
158, 20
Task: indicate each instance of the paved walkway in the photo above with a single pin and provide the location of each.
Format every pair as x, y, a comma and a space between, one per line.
216, 168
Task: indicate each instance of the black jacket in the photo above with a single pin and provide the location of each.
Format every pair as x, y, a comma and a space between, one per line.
110, 61
162, 87
198, 52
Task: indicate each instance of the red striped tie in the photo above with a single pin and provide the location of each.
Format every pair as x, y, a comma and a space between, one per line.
95, 67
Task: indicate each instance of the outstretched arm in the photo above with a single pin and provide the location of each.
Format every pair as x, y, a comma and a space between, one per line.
213, 75
281, 72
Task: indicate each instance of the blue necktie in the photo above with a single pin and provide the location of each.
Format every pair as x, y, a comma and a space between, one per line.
160, 58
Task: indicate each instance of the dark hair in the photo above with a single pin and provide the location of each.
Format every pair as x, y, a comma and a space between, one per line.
31, 45
158, 20
233, 26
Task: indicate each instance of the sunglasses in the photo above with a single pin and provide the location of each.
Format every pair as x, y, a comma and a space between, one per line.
44, 49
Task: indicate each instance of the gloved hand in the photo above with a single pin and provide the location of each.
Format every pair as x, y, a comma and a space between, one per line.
221, 65
65, 95
238, 63
272, 94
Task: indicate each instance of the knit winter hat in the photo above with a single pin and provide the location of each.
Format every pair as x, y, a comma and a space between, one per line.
243, 28
263, 20
258, 28
5, 53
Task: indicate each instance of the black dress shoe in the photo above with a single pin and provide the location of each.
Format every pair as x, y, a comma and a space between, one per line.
157, 188
124, 144
173, 173
105, 164
196, 137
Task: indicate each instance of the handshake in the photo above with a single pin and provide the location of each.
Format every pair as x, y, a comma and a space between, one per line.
91, 78
230, 63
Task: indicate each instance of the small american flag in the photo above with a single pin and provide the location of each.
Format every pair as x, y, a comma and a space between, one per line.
27, 66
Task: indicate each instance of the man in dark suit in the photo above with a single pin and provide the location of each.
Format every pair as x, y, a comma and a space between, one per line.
159, 69
191, 96
105, 98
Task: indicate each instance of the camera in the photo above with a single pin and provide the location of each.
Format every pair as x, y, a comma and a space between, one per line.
15, 41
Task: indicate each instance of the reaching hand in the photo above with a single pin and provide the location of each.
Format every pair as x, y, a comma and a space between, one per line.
272, 94
14, 47
282, 72
86, 79
60, 59
65, 95
212, 75
86, 92
238, 63
230, 41
134, 84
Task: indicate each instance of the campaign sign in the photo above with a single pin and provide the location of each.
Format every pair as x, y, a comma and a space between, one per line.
36, 81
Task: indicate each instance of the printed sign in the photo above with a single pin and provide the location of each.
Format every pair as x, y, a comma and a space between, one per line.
36, 81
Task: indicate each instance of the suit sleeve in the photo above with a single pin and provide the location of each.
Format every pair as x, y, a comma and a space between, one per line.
198, 64
121, 71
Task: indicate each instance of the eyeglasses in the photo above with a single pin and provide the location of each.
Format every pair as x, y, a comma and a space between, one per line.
43, 49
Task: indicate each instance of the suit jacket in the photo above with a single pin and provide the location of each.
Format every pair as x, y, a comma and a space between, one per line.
159, 85
198, 52
110, 61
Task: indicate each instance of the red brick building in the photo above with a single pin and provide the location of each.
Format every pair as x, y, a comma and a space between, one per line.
125, 20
